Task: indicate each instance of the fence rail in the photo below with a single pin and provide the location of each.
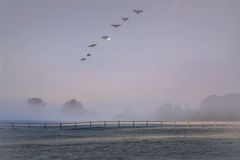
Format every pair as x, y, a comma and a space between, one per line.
116, 124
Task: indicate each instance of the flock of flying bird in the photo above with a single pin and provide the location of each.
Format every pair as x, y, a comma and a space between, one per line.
107, 38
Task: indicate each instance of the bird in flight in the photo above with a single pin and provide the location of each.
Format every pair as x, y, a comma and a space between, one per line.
125, 19
83, 59
138, 11
116, 25
92, 45
107, 38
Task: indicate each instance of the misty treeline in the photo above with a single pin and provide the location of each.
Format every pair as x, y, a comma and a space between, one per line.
71, 106
213, 107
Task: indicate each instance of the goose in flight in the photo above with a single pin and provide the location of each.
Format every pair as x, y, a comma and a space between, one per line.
107, 38
92, 45
125, 19
138, 11
116, 25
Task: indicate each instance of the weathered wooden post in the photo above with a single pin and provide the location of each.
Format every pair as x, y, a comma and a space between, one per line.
90, 124
133, 123
45, 125
161, 123
12, 125
104, 123
60, 126
28, 125
147, 123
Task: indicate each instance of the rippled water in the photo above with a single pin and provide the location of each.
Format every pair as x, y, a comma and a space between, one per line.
203, 143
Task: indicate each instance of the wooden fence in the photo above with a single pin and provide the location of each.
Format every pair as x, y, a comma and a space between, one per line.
116, 124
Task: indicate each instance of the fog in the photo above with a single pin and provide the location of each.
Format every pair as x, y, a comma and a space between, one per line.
160, 64
36, 102
213, 107
169, 111
23, 111
226, 107
73, 107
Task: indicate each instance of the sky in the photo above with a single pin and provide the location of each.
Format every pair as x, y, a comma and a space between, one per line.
177, 51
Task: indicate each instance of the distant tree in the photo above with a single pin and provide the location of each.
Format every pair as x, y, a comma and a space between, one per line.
36, 102
226, 107
73, 107
169, 111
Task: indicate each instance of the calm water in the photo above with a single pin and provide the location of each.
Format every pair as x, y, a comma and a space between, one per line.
209, 143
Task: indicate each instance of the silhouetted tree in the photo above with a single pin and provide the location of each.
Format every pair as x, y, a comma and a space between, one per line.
73, 107
36, 102
225, 107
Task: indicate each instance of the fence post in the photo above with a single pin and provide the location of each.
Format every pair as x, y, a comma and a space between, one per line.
161, 123
28, 125
60, 126
90, 124
45, 125
133, 123
147, 123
